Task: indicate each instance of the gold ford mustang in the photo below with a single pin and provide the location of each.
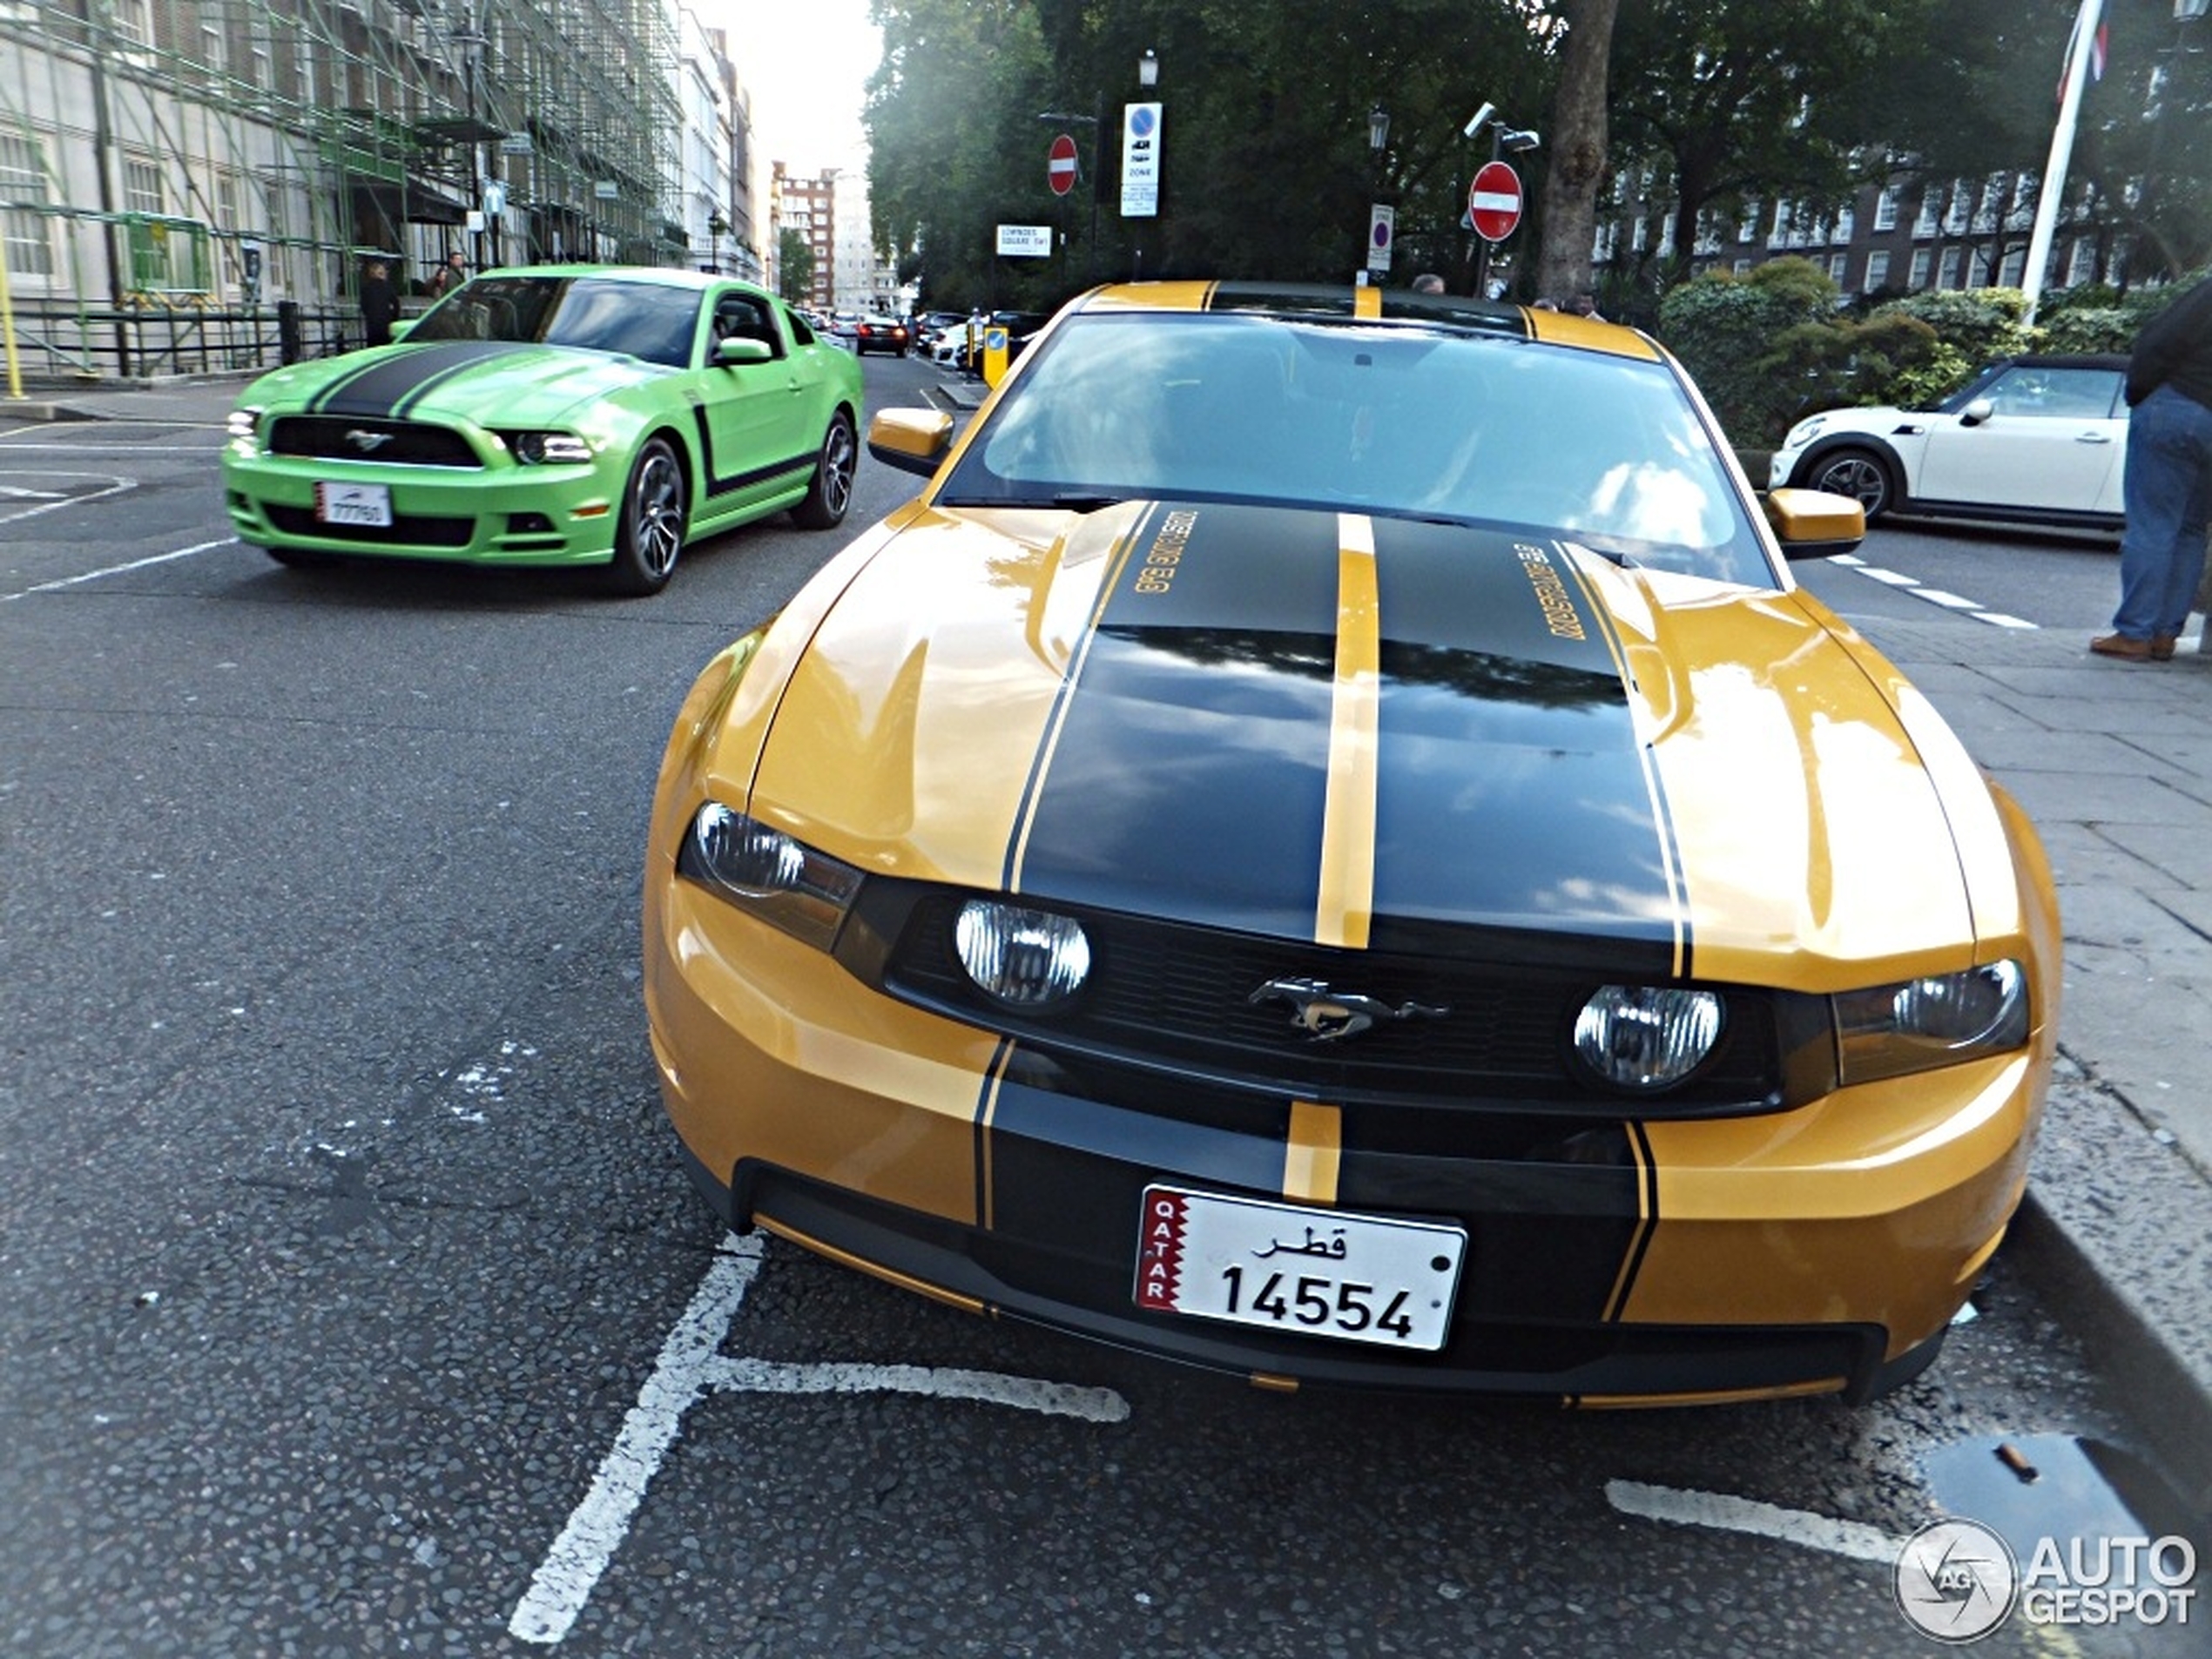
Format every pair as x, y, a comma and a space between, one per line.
1326, 844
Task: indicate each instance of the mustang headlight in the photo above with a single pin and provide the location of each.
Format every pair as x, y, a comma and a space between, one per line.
1939, 1021
539, 449
243, 423
1031, 960
759, 869
1646, 1037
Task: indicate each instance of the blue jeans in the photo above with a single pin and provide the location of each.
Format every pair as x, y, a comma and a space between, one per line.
2168, 494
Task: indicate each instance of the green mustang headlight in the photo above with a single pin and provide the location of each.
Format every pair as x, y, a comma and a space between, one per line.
1939, 1021
539, 449
242, 422
762, 870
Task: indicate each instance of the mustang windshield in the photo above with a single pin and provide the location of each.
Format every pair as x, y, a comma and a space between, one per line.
1425, 422
645, 319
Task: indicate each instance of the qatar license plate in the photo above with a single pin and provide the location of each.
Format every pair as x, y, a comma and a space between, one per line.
366, 504
1288, 1267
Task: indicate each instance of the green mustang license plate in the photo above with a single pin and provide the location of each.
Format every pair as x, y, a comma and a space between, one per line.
1288, 1267
365, 504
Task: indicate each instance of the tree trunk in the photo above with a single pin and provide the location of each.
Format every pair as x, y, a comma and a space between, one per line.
1577, 151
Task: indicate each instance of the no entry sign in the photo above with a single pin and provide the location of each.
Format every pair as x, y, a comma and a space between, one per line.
1059, 166
1493, 201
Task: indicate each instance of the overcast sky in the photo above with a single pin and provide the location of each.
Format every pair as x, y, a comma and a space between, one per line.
806, 64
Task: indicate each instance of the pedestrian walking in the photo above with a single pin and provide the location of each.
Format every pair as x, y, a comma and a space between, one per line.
2167, 490
379, 304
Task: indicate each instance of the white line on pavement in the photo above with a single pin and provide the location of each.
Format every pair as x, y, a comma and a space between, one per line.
1801, 1526
117, 569
689, 1367
116, 486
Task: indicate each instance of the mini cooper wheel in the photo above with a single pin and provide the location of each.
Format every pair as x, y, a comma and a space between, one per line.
831, 491
1860, 474
650, 533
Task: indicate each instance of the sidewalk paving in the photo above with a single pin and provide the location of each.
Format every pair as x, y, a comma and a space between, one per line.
2114, 762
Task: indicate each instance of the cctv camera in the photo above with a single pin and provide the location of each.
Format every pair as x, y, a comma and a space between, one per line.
1475, 121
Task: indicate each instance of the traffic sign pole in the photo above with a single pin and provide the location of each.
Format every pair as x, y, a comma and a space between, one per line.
1494, 209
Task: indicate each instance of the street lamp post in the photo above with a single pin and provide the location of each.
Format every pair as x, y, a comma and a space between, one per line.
471, 39
1148, 76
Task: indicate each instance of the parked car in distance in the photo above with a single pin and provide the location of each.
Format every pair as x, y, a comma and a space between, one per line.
882, 333
551, 415
1327, 844
2039, 439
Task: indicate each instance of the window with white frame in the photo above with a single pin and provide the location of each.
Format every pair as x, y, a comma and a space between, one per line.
1836, 264
27, 232
1947, 268
1962, 207
1931, 216
214, 49
1986, 213
1923, 262
1748, 226
1780, 232
2081, 262
1885, 209
2016, 268
1846, 222
142, 191
133, 21
1878, 271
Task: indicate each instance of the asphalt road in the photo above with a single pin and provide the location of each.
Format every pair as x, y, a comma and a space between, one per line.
351, 1300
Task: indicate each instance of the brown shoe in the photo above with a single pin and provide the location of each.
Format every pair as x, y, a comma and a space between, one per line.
2131, 650
2161, 648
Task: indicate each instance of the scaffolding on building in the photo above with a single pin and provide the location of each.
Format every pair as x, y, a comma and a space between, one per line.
197, 184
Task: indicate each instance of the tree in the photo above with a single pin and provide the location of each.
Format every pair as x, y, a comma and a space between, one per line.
795, 266
1578, 140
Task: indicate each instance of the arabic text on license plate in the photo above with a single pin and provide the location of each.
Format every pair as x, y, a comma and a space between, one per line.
1287, 1267
369, 505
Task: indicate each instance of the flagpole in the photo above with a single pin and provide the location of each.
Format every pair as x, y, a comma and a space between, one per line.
2052, 192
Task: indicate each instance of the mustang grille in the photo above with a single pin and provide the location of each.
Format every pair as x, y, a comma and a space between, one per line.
1165, 993
405, 531
404, 444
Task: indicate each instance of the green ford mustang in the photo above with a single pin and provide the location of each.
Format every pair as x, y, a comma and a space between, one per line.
556, 415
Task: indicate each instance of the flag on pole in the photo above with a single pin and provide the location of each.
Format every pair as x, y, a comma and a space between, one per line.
2096, 61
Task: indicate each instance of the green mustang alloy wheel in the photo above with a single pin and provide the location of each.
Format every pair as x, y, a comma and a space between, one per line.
552, 415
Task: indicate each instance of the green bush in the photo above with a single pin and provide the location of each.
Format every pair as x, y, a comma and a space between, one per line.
1754, 344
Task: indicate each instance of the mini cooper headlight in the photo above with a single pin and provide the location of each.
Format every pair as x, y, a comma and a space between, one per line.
539, 449
1029, 959
1646, 1037
783, 881
1804, 432
1937, 1021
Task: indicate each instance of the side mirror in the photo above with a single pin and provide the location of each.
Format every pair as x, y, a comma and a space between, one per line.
1976, 412
911, 440
741, 349
400, 326
1814, 524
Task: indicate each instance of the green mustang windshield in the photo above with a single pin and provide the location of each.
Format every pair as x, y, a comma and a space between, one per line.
641, 319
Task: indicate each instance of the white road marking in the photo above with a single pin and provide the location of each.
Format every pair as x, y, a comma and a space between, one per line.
1933, 595
1949, 601
1853, 1539
53, 503
690, 1365
118, 569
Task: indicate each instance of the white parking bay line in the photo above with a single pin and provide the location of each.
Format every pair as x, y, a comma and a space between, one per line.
690, 1365
117, 569
1801, 1526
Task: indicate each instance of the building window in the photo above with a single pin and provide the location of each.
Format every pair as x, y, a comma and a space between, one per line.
1747, 228
1878, 271
1743, 268
1947, 271
1780, 233
1885, 209
1930, 218
142, 187
1846, 222
1962, 205
1923, 262
134, 22
2081, 262
23, 178
1836, 264
2014, 269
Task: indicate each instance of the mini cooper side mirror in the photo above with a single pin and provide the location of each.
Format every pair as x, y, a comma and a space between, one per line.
1976, 412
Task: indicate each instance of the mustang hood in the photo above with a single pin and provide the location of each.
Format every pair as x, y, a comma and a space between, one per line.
480, 381
1324, 726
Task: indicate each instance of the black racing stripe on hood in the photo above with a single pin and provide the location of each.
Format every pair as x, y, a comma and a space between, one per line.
384, 385
1513, 790
1221, 623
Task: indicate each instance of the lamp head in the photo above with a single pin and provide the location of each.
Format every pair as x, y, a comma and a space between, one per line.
1476, 121
1520, 139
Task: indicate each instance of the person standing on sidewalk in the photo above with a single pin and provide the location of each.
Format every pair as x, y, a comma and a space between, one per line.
2167, 491
379, 304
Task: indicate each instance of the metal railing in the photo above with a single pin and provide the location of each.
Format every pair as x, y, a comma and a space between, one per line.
152, 337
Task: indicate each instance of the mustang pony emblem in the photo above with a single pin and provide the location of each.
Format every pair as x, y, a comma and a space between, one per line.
366, 442
1328, 1016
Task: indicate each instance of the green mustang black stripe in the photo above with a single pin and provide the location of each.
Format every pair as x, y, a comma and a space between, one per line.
718, 484
390, 381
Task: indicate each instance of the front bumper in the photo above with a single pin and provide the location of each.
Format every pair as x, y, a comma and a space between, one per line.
538, 516
1822, 1250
